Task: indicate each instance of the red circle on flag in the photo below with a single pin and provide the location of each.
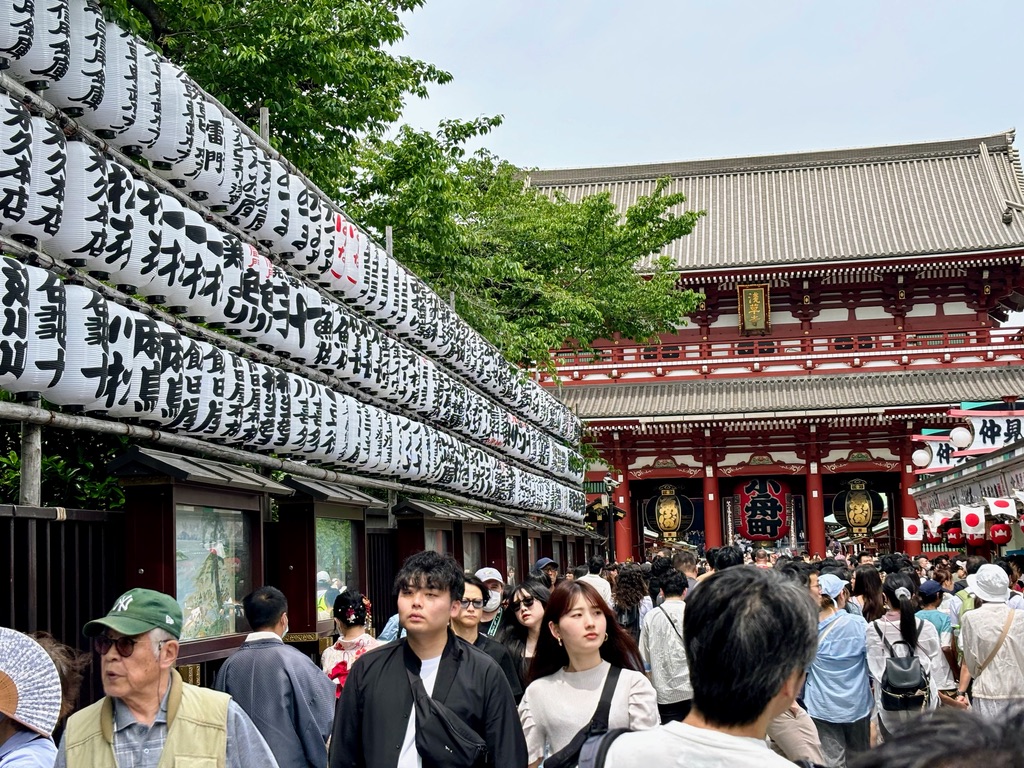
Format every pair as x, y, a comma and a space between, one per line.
912, 530
1001, 503
971, 520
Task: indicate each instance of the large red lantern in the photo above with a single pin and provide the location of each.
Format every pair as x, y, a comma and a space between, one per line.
955, 537
1000, 533
933, 538
762, 509
976, 539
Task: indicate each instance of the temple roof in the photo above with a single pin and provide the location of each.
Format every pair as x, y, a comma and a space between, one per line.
831, 206
823, 394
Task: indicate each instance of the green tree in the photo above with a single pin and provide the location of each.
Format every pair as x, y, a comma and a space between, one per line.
532, 273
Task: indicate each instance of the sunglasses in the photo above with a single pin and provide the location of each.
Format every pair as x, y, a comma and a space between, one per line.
125, 645
478, 604
526, 602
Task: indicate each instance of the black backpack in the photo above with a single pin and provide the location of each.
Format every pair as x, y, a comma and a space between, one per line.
904, 684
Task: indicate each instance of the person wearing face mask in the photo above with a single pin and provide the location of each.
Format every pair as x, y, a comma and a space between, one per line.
490, 617
288, 697
466, 625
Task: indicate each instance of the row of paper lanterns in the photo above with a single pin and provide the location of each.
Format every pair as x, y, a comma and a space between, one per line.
74, 203
75, 348
112, 83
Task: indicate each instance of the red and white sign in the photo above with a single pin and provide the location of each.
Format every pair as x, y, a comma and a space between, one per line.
972, 520
1002, 506
913, 529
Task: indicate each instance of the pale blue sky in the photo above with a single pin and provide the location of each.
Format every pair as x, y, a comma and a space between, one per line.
608, 83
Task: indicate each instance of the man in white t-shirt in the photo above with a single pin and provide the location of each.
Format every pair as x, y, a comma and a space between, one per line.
375, 723
594, 579
750, 634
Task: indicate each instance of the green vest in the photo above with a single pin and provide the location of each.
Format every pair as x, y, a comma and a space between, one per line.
197, 730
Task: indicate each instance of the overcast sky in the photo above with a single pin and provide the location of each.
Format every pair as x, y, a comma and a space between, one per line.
608, 83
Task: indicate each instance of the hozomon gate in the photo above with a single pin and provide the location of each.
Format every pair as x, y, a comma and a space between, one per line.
851, 297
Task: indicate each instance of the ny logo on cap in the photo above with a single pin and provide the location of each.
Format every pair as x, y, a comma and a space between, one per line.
123, 602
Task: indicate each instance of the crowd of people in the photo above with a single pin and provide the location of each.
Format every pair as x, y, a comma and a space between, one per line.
738, 659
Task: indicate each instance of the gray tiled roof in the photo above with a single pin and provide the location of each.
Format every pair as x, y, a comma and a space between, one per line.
739, 398
814, 207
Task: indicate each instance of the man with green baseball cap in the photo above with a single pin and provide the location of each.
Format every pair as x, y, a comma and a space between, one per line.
148, 709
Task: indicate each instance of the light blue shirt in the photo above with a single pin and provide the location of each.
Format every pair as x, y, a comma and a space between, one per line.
27, 749
837, 688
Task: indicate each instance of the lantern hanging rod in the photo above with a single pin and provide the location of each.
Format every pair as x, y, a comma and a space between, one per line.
27, 414
72, 127
52, 264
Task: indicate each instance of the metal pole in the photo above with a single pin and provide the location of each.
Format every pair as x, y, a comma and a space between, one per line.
265, 124
389, 240
30, 492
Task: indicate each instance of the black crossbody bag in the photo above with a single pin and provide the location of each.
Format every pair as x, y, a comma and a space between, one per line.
569, 756
442, 738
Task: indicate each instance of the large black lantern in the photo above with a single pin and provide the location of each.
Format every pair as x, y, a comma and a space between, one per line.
858, 508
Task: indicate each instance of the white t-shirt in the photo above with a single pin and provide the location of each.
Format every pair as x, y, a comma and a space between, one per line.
409, 757
685, 746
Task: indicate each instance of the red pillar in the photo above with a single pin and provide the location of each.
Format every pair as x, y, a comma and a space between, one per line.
625, 531
712, 509
908, 508
815, 512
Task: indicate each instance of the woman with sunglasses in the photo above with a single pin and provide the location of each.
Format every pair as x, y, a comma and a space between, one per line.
580, 646
521, 624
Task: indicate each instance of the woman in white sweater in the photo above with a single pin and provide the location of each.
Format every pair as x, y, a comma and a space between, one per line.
573, 657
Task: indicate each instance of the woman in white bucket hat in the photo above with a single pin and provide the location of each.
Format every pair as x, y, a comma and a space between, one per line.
30, 699
992, 640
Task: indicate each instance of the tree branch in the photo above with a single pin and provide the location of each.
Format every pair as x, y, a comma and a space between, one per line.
154, 15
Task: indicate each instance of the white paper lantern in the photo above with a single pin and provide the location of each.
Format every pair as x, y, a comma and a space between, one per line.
275, 224
315, 259
86, 357
33, 341
182, 172
224, 193
296, 239
15, 162
81, 238
185, 295
169, 375
242, 399
214, 160
177, 127
117, 110
133, 231
250, 211
48, 57
145, 128
81, 89
17, 24
251, 312
42, 217
193, 406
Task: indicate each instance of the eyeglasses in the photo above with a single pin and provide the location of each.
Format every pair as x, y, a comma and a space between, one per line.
526, 602
125, 645
478, 604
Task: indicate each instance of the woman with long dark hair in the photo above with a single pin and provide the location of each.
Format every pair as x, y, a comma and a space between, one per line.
581, 644
867, 592
521, 624
900, 633
632, 602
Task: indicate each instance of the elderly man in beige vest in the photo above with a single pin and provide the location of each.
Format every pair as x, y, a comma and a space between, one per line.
149, 716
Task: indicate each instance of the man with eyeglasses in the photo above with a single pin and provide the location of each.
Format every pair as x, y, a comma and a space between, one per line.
467, 626
148, 710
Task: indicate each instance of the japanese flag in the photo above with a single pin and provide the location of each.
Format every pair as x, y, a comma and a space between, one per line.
1019, 495
1002, 506
935, 519
913, 529
972, 520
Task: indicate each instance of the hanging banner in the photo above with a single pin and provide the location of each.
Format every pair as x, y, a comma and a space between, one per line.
762, 509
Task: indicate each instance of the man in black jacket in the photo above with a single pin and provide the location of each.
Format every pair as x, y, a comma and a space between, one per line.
374, 725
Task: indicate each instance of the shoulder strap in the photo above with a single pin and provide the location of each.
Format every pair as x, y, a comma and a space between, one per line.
998, 645
674, 629
885, 641
829, 628
593, 755
599, 723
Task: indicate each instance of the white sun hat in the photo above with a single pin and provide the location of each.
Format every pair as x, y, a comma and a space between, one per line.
30, 691
990, 584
